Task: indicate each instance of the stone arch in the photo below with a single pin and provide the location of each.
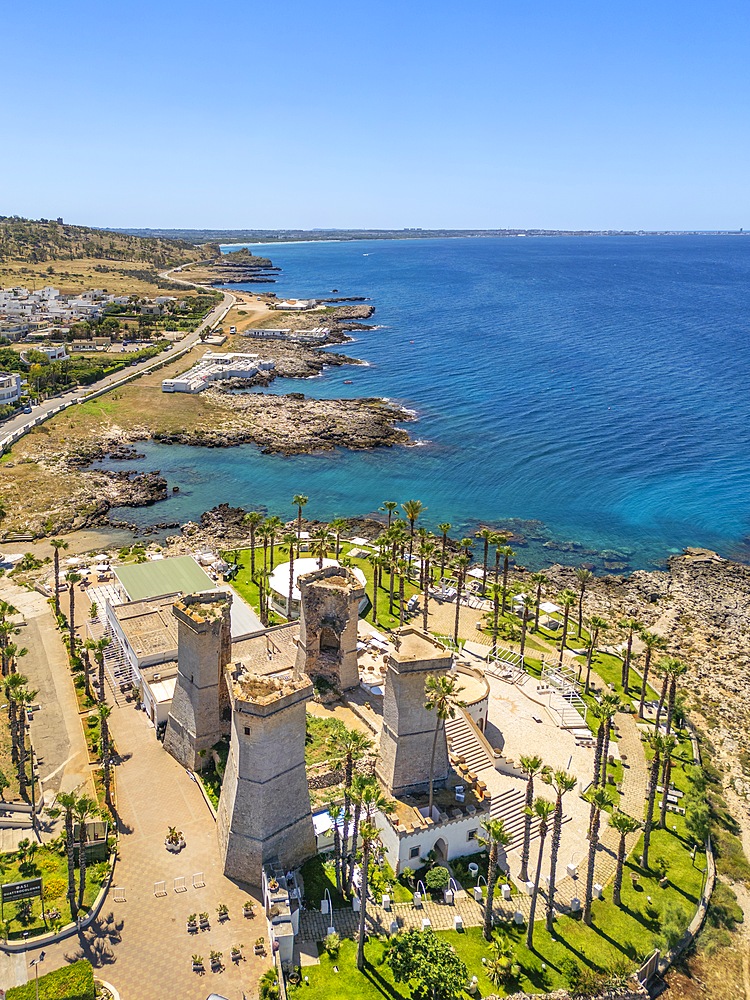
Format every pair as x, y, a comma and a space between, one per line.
330, 640
440, 847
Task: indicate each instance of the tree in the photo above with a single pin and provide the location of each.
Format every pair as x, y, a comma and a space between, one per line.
493, 839
507, 553
68, 802
496, 593
443, 528
57, 544
567, 599
603, 711
539, 580
85, 809
402, 569
676, 669
299, 500
531, 767
412, 509
335, 814
4, 783
346, 748
486, 534
597, 625
527, 604
253, 519
599, 801
289, 540
584, 576
274, 524
373, 800
624, 825
360, 795
656, 743
668, 748
321, 544
441, 697
541, 811
631, 626
428, 551
104, 712
14, 683
99, 647
462, 564
652, 642
24, 698
73, 579
562, 782
389, 506
338, 524
422, 958
609, 705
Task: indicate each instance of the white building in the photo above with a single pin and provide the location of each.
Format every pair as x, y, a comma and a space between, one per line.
216, 367
278, 583
10, 388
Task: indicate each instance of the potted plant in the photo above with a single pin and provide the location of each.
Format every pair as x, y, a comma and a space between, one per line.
223, 911
174, 841
236, 952
295, 977
197, 961
248, 909
203, 917
260, 946
192, 923
216, 957
273, 885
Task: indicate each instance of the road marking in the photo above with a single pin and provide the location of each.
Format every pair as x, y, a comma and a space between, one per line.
58, 769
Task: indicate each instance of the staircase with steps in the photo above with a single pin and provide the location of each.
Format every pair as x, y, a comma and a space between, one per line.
463, 745
117, 667
508, 806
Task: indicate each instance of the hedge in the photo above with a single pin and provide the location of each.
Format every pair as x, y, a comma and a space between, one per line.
74, 982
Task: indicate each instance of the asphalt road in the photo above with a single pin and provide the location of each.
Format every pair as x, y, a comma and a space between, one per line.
23, 422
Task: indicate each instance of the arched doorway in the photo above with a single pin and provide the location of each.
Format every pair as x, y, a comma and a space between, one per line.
329, 641
440, 848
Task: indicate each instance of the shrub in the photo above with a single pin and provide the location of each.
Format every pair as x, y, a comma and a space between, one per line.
437, 878
73, 982
332, 944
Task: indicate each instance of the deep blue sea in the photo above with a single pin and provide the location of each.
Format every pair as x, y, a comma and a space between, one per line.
598, 386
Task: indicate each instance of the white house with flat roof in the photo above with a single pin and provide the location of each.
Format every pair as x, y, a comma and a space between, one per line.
278, 583
10, 388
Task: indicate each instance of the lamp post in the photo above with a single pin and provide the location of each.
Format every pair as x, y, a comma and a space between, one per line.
35, 962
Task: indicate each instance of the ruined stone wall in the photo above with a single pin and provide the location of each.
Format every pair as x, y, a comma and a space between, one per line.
330, 600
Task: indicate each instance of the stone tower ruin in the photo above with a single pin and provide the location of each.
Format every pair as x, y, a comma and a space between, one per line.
264, 810
329, 612
408, 731
199, 714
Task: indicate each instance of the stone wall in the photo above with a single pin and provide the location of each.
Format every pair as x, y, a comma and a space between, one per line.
329, 612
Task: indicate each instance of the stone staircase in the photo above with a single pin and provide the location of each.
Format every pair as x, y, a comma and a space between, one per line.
464, 746
508, 806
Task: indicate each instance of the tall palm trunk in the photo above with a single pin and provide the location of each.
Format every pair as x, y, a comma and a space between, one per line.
564, 637
666, 777
13, 722
291, 582
670, 703
644, 681
527, 830
605, 753
626, 663
57, 582
648, 825
106, 763
401, 596
598, 752
495, 623
425, 610
390, 591
72, 622
82, 838
554, 851
537, 602
348, 774
100, 662
252, 551
589, 657
355, 837
458, 607
375, 584
491, 880
617, 885
662, 697
432, 764
21, 726
505, 581
363, 905
70, 851
524, 626
593, 845
337, 854
484, 565
537, 879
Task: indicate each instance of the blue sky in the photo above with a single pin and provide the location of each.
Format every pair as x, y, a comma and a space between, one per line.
382, 114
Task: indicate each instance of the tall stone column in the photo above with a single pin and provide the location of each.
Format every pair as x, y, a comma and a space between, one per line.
408, 731
329, 612
264, 810
203, 649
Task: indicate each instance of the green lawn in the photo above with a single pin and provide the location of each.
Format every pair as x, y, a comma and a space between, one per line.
316, 738
319, 875
72, 982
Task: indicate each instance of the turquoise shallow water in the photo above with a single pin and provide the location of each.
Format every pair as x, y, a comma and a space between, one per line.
596, 385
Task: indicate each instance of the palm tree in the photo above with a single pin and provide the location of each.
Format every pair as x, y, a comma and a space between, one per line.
624, 825
322, 539
389, 506
584, 577
441, 697
13, 684
610, 704
539, 580
360, 796
68, 801
486, 534
494, 838
507, 553
562, 782
85, 809
335, 812
527, 603
669, 747
443, 528
631, 626
289, 540
73, 579
299, 500
57, 544
263, 576
656, 743
104, 712
676, 669
254, 519
428, 551
412, 509
599, 801
373, 800
462, 564
98, 647
567, 599
402, 568
8, 629
665, 665
496, 593
597, 625
24, 699
531, 767
337, 525
652, 642
378, 563
541, 810
603, 711
347, 747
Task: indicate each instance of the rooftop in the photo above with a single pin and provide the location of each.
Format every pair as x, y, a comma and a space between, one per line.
414, 644
279, 579
272, 652
148, 626
178, 575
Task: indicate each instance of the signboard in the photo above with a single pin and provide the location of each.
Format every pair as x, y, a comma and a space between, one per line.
21, 890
